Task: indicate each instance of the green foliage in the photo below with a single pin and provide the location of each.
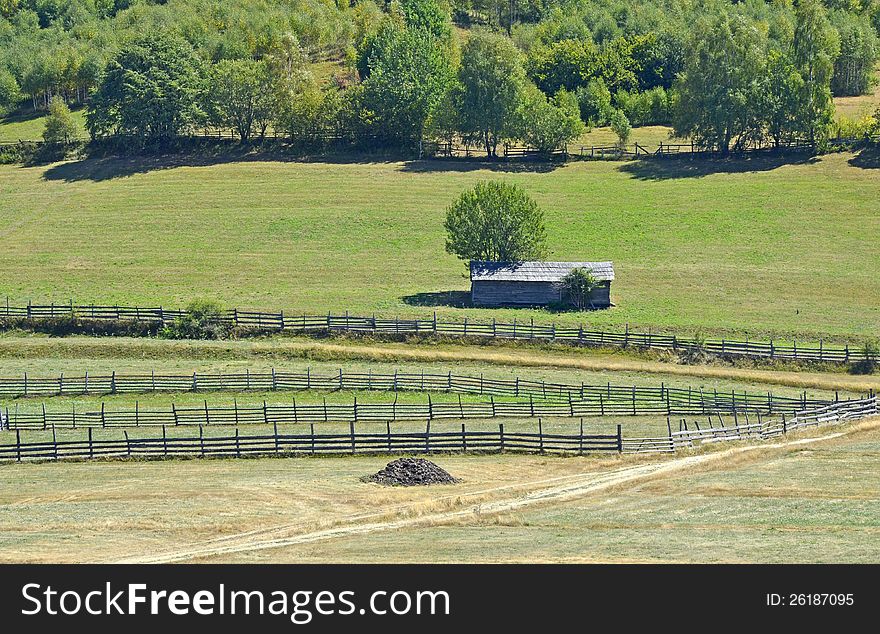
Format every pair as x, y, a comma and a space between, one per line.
567, 64
151, 90
549, 124
854, 67
722, 84
781, 97
431, 16
578, 286
409, 74
60, 126
495, 221
491, 79
201, 321
621, 126
595, 102
815, 48
651, 107
10, 94
242, 96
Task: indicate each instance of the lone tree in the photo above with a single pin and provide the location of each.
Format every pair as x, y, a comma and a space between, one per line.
60, 128
496, 222
578, 286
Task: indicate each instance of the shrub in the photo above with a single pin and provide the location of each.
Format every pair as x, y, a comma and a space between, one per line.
578, 286
74, 325
620, 125
203, 320
869, 364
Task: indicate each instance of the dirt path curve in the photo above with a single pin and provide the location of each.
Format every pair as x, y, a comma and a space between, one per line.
569, 488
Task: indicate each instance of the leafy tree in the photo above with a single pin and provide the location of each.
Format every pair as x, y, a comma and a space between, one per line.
720, 90
578, 286
409, 75
781, 97
492, 80
549, 124
658, 58
854, 67
621, 127
595, 102
152, 89
242, 96
495, 221
815, 48
60, 127
10, 94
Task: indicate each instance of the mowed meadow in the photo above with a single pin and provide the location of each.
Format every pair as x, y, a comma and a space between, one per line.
763, 246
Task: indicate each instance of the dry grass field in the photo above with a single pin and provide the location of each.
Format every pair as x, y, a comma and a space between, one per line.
779, 502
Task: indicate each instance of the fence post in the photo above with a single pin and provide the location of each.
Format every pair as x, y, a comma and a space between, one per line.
431, 408
113, 382
202, 441
312, 432
265, 413
388, 434
501, 435
351, 430
164, 441
237, 446
103, 419
428, 437
619, 439
540, 436
581, 439
784, 424
127, 444
275, 436
18, 444
91, 448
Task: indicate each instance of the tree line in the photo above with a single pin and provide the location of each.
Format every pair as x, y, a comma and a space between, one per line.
725, 74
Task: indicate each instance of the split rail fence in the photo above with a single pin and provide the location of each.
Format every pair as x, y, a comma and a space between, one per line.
691, 432
329, 323
677, 399
241, 445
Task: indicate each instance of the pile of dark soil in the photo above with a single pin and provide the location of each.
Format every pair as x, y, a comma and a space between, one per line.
411, 472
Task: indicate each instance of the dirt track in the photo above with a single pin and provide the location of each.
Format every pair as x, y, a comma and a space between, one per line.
509, 498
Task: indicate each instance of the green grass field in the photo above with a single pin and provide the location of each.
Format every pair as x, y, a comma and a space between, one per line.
750, 246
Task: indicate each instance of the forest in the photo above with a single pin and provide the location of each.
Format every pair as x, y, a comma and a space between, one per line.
397, 74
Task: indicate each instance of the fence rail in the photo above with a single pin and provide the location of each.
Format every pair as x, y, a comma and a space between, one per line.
676, 400
580, 336
354, 442
692, 432
239, 445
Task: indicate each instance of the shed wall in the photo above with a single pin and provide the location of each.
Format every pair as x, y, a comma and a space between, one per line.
492, 293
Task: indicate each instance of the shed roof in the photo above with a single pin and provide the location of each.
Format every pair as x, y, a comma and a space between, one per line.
536, 271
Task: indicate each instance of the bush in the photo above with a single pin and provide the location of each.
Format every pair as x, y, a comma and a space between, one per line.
869, 364
645, 108
620, 125
60, 128
578, 286
203, 320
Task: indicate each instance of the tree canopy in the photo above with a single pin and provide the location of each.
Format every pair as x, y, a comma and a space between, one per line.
495, 221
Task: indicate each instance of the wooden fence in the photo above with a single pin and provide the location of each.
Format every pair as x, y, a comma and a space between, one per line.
692, 432
637, 404
580, 336
675, 400
241, 445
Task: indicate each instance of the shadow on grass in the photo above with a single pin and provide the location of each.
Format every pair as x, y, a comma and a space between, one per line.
103, 168
867, 158
454, 299
657, 169
473, 164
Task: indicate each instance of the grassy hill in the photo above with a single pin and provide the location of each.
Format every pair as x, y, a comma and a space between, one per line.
757, 246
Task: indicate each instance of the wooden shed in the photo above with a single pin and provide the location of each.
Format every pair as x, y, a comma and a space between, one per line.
532, 283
